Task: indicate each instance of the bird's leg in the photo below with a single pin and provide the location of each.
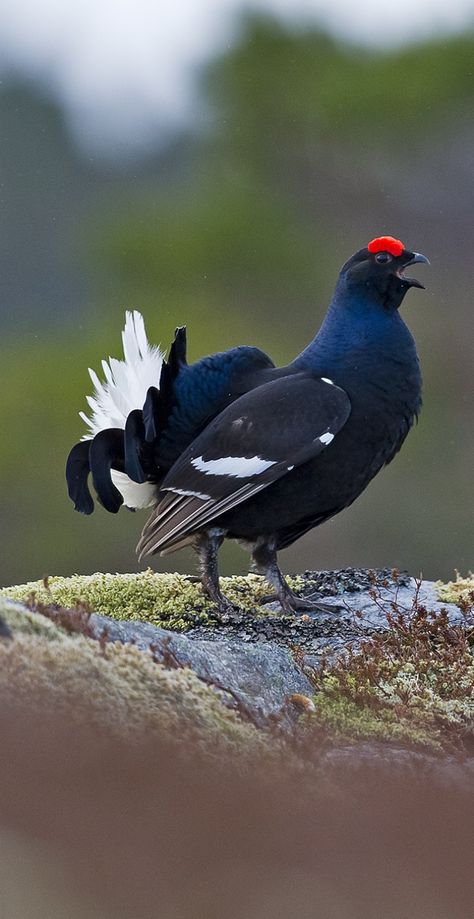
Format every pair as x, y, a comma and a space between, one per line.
265, 562
207, 547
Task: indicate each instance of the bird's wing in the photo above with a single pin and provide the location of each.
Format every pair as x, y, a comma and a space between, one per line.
256, 440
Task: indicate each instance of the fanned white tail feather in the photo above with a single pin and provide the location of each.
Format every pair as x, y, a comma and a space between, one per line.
126, 382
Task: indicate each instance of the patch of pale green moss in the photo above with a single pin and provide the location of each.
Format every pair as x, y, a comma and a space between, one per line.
459, 591
168, 600
171, 601
347, 720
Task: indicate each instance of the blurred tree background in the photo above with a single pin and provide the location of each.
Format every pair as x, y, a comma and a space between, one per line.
306, 149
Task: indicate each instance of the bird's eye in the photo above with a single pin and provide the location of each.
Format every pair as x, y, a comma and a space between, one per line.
383, 257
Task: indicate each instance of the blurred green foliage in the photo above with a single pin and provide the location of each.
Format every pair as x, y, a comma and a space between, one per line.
280, 83
307, 149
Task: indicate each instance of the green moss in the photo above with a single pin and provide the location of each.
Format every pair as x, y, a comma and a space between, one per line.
167, 600
346, 719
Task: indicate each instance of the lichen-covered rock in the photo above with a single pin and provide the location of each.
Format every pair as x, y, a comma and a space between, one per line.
173, 601
392, 662
256, 677
169, 600
460, 591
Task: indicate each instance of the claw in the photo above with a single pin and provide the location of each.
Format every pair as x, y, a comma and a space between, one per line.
291, 603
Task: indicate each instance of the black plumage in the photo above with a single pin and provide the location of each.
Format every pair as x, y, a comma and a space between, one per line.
235, 447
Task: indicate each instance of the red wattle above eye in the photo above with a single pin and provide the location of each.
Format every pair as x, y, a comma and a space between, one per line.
386, 244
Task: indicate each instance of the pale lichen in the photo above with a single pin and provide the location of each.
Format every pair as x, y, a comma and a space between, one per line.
348, 720
460, 591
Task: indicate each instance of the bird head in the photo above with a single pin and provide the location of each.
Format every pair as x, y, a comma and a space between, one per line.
378, 271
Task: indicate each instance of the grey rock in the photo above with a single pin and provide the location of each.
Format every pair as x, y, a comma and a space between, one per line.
254, 677
370, 614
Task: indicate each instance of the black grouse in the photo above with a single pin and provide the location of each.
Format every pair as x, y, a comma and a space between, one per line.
234, 447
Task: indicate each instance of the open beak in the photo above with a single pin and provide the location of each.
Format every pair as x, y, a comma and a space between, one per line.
413, 257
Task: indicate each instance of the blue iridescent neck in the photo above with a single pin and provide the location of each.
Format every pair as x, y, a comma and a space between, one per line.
356, 325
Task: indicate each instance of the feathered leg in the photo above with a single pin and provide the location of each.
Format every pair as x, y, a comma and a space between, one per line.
207, 547
265, 562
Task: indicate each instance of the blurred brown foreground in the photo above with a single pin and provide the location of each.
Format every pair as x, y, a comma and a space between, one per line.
93, 827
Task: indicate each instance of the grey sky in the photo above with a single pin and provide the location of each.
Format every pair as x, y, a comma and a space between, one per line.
124, 68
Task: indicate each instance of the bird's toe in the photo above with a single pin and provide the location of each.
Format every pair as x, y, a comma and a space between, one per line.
291, 603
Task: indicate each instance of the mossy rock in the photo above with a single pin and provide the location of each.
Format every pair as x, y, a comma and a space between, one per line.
168, 600
171, 601
116, 687
410, 684
20, 620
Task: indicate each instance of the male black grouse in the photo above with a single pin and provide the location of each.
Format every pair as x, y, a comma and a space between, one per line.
234, 447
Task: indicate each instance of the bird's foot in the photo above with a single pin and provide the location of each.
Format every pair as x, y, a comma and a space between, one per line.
291, 603
226, 611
